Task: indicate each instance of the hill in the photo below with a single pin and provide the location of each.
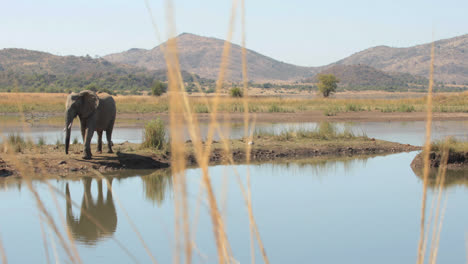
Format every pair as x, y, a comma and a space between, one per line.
202, 55
363, 77
451, 59
35, 71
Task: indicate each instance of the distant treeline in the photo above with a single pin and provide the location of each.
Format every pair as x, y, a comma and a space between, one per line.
123, 83
135, 83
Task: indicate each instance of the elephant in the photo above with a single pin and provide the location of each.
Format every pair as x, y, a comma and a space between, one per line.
98, 218
96, 113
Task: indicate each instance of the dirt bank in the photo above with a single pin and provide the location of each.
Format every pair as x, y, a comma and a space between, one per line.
51, 160
455, 161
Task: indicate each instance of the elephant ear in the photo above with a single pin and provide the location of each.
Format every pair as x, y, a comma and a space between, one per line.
90, 102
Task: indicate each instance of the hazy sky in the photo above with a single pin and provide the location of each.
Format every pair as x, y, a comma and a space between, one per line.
303, 32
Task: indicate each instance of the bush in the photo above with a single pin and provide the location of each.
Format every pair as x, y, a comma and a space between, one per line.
16, 142
406, 108
158, 88
154, 135
236, 92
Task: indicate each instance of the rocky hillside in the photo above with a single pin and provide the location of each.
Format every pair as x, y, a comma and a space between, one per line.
451, 59
202, 55
25, 61
363, 77
35, 71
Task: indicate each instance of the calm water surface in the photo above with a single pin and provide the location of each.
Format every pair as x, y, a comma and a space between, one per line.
403, 132
362, 210
335, 211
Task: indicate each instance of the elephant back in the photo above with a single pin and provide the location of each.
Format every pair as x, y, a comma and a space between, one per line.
106, 111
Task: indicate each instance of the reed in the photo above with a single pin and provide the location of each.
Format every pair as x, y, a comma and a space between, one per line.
154, 135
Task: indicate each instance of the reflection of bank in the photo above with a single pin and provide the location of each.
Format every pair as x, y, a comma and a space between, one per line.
452, 177
157, 184
98, 219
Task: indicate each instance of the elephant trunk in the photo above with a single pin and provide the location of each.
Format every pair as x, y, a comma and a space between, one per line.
68, 125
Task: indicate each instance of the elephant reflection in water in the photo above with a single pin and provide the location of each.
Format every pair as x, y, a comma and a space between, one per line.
85, 229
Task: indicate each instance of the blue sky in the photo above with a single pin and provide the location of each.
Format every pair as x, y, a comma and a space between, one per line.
308, 33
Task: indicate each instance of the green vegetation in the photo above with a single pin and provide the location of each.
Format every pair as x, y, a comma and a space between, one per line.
452, 144
324, 131
327, 84
236, 92
158, 88
154, 135
41, 141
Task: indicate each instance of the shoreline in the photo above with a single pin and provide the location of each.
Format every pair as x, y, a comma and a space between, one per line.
130, 120
51, 160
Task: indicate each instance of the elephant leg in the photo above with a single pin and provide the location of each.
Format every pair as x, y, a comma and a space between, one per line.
83, 130
109, 140
99, 142
87, 148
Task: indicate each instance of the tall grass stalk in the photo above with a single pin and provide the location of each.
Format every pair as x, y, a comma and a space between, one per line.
253, 226
427, 147
3, 253
436, 213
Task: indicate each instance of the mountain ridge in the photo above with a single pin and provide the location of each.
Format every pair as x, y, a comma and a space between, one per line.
202, 55
450, 62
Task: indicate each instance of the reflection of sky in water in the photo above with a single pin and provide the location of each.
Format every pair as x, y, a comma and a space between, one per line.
403, 132
353, 211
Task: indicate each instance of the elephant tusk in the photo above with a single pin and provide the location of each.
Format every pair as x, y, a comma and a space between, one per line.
69, 126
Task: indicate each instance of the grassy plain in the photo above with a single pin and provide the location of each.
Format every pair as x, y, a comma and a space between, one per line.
55, 103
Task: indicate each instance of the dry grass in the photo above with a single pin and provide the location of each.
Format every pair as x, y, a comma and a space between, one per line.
436, 214
35, 103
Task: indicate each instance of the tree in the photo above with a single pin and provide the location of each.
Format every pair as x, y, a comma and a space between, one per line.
158, 88
327, 84
236, 92
92, 87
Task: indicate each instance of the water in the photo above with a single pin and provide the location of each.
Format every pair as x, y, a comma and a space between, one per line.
335, 211
352, 210
403, 132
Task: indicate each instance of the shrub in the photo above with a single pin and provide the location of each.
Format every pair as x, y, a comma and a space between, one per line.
154, 135
406, 108
16, 142
158, 88
236, 92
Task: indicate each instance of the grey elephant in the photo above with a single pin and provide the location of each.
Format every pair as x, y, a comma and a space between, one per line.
96, 113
